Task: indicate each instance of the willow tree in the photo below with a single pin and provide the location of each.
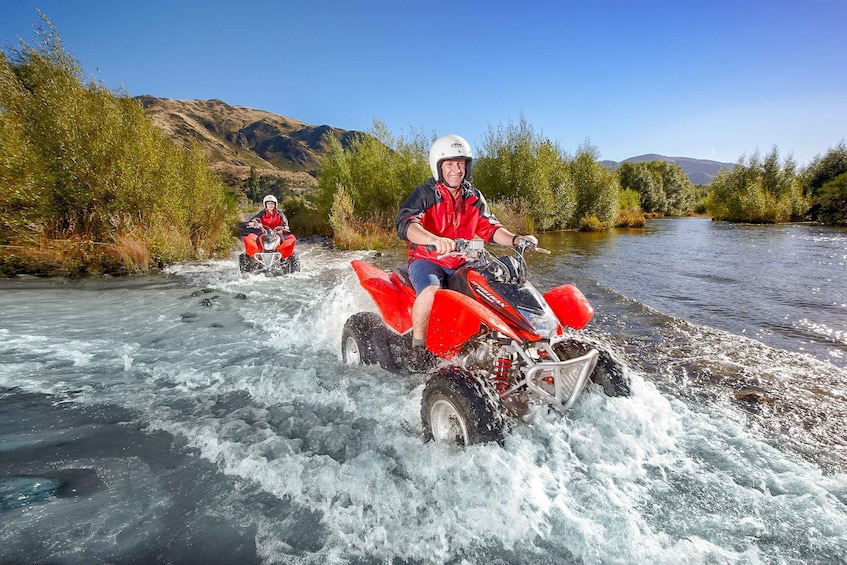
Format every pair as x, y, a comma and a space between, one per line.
641, 178
825, 169
597, 189
520, 166
759, 190
824, 184
377, 171
82, 164
662, 186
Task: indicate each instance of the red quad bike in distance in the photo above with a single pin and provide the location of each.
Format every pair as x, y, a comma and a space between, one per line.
502, 349
271, 254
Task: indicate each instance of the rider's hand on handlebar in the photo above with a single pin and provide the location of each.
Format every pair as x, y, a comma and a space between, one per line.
442, 245
526, 240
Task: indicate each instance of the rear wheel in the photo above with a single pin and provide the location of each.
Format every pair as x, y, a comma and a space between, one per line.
458, 409
364, 341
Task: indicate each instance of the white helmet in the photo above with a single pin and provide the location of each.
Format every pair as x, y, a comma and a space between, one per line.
269, 198
449, 147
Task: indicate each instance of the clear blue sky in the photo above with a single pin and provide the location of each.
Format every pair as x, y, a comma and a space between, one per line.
709, 80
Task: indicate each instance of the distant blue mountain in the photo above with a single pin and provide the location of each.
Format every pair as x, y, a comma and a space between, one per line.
698, 171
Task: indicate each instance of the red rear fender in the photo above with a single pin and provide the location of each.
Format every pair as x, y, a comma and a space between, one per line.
392, 300
571, 306
455, 319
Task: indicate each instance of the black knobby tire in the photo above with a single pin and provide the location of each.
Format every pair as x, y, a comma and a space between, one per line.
244, 263
609, 373
364, 341
294, 263
459, 409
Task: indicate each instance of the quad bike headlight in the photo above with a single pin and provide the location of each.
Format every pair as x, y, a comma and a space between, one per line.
543, 319
545, 324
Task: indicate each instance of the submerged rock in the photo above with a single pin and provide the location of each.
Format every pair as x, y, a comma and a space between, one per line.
201, 292
753, 395
22, 490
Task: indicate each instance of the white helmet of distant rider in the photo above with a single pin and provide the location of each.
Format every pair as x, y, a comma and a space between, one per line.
269, 198
449, 147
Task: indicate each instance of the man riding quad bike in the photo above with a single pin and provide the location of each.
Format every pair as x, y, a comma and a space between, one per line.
502, 348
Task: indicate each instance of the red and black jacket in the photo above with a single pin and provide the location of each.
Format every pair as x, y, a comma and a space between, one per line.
271, 219
432, 206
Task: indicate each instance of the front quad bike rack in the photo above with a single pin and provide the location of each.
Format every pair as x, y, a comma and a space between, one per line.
270, 263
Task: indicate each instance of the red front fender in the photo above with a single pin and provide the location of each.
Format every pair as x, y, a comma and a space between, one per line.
286, 247
571, 306
455, 319
251, 245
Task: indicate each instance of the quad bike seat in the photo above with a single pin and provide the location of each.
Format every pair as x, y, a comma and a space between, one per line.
403, 275
400, 277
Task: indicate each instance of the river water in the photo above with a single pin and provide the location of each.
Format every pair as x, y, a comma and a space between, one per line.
199, 416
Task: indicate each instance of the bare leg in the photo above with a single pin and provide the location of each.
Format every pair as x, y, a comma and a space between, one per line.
421, 310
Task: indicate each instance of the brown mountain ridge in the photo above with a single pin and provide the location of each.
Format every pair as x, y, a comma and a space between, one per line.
698, 171
238, 138
276, 147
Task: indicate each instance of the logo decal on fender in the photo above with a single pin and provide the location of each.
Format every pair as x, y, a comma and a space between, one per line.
488, 296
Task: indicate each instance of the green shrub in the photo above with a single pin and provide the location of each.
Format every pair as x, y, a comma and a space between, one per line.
377, 172
630, 215
592, 223
515, 164
663, 188
831, 201
758, 191
827, 198
596, 190
81, 163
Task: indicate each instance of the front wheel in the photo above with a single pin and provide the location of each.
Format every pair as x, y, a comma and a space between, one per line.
458, 409
294, 263
608, 373
356, 346
244, 263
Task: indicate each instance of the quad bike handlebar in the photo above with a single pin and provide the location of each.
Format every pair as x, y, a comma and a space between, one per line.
526, 245
261, 227
473, 248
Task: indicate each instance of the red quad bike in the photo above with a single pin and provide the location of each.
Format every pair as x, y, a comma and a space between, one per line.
272, 253
502, 349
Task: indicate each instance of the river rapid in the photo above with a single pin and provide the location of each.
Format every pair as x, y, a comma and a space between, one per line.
203, 416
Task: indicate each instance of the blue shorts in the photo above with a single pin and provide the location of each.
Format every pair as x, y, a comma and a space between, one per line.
425, 273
